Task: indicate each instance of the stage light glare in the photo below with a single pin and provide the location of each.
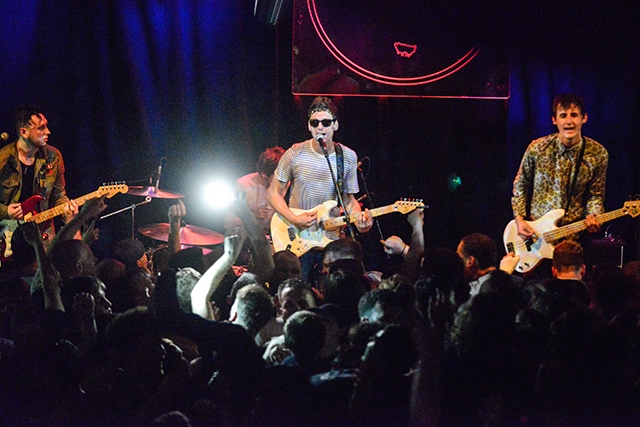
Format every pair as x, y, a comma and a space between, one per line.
218, 195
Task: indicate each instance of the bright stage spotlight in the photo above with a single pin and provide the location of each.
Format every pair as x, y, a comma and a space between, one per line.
218, 195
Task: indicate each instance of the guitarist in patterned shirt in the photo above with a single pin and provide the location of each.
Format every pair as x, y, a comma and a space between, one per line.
547, 177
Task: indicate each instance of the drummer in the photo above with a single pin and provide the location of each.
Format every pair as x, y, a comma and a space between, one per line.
253, 187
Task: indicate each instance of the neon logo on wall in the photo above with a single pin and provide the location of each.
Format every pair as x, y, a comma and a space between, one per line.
402, 49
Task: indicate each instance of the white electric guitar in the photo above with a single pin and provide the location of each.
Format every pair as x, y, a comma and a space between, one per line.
541, 245
299, 241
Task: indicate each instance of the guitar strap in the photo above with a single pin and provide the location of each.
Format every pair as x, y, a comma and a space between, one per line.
575, 176
340, 165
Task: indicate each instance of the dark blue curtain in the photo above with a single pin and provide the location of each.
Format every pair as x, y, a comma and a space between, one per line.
201, 83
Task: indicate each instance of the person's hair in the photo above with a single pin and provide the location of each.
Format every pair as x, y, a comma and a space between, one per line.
127, 328
344, 287
188, 257
186, 279
568, 255
322, 103
245, 279
482, 248
566, 100
24, 113
268, 160
254, 307
293, 283
304, 335
388, 301
66, 254
124, 292
128, 252
345, 248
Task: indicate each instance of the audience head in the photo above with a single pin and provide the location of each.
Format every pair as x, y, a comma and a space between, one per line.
568, 260
89, 285
131, 253
344, 286
478, 253
188, 257
294, 295
345, 248
380, 305
252, 308
304, 335
73, 258
186, 279
245, 279
133, 289
286, 266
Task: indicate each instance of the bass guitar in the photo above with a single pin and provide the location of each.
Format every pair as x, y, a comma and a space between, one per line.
30, 209
299, 241
547, 232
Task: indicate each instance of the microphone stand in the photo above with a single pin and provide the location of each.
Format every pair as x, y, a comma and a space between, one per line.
132, 208
368, 196
335, 185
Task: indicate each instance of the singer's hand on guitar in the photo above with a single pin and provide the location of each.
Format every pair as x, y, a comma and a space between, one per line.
525, 231
592, 223
305, 220
14, 210
364, 221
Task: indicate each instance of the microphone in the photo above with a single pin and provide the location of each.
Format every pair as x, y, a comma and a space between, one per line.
4, 136
320, 139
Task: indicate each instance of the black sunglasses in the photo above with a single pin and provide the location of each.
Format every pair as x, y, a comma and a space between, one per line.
326, 122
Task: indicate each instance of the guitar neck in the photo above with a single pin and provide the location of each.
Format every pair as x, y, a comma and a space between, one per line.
59, 210
340, 221
576, 227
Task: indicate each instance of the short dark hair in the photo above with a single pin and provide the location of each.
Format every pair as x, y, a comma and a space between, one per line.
322, 103
566, 100
268, 160
254, 308
482, 248
568, 255
345, 248
24, 113
294, 283
186, 279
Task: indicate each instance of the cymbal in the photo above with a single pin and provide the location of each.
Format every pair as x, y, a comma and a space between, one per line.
153, 192
189, 234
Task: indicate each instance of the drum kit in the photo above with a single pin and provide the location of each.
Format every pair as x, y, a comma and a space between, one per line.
190, 235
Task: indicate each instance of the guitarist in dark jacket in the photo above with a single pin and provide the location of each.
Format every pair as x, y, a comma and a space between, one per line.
31, 167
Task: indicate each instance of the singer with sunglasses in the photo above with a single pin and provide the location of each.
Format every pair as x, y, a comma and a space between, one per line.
305, 166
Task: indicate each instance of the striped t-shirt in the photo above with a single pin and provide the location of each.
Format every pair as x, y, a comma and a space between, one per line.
311, 182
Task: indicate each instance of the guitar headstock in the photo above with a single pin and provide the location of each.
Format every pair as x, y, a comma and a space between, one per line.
110, 190
405, 206
632, 208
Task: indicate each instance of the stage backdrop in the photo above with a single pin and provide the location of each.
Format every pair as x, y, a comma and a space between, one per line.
205, 85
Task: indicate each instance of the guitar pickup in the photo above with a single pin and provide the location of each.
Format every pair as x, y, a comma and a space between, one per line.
528, 243
510, 247
292, 233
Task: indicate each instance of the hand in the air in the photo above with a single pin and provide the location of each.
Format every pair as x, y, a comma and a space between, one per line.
393, 245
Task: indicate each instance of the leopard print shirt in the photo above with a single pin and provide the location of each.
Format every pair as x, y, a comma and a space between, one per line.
545, 177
